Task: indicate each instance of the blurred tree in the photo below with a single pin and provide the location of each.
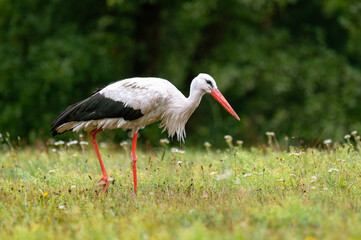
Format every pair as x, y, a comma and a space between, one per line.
289, 66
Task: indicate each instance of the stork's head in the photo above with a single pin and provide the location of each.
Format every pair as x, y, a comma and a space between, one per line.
206, 83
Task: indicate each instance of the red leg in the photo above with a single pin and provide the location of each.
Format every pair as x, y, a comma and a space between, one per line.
105, 177
134, 160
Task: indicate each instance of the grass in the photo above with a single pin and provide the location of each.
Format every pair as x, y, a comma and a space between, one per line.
258, 193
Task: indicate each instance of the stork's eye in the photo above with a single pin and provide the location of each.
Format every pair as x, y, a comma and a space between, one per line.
209, 82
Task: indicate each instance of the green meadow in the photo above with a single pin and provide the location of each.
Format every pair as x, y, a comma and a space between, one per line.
265, 192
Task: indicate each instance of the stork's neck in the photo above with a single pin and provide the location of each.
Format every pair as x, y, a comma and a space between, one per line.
194, 99
178, 113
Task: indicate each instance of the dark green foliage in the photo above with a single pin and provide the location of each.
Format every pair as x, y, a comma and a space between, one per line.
288, 66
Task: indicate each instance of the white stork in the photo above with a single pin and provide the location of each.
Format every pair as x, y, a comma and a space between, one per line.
133, 104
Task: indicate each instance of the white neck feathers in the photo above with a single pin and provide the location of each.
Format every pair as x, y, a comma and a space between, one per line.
178, 112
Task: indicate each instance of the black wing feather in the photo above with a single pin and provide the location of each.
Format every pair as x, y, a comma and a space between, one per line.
95, 107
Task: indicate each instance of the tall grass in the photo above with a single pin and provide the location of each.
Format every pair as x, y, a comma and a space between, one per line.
235, 193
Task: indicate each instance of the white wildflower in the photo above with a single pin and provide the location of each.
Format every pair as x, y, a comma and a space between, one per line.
228, 138
61, 207
353, 133
164, 141
60, 142
239, 142
52, 171
270, 134
225, 175
73, 186
347, 136
357, 138
72, 143
176, 150
179, 162
327, 141
247, 175
54, 150
124, 144
83, 143
212, 173
333, 170
207, 145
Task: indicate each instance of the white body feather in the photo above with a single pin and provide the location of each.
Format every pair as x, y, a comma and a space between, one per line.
158, 100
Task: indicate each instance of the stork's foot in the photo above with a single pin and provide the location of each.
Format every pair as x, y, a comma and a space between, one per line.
104, 181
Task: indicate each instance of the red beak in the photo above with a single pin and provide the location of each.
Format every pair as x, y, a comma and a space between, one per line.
219, 97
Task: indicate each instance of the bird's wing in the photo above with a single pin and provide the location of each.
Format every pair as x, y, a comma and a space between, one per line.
96, 107
129, 99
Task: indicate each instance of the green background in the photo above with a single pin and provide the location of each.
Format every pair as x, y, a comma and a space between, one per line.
288, 66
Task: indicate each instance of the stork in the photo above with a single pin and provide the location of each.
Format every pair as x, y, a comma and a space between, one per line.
134, 103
